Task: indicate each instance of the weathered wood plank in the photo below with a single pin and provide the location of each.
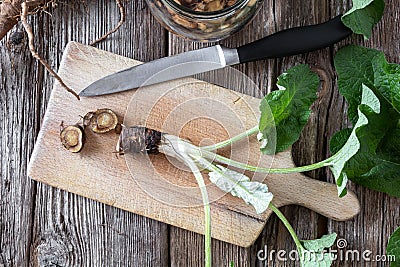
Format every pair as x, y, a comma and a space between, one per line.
309, 149
72, 229
21, 108
275, 16
102, 237
379, 215
68, 230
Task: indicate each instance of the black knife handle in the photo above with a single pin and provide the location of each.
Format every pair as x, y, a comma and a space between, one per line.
295, 41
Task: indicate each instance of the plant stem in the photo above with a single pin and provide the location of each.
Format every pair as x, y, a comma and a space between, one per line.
232, 140
240, 165
212, 168
208, 165
207, 212
287, 225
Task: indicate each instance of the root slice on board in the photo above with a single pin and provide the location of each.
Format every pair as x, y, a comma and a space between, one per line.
101, 121
72, 137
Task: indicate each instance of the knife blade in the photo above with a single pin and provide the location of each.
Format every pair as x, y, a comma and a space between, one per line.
284, 43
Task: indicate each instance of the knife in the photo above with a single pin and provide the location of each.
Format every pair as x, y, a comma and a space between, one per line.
281, 44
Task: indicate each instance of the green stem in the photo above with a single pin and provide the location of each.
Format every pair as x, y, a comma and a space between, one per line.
207, 211
287, 225
212, 168
240, 165
208, 165
232, 140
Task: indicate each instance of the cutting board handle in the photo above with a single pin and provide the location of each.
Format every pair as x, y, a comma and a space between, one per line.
321, 197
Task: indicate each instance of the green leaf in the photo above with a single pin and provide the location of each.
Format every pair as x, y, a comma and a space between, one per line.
287, 109
383, 176
356, 65
364, 14
339, 139
352, 145
393, 248
239, 185
389, 147
318, 245
387, 78
354, 68
376, 165
315, 252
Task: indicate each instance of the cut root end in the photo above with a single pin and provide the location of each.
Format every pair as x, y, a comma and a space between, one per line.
139, 139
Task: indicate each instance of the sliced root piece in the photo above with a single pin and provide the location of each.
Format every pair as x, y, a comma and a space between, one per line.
72, 137
101, 121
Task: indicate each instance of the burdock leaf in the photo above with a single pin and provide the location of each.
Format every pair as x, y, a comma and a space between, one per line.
339, 139
238, 184
354, 68
387, 80
369, 104
383, 176
315, 253
393, 248
377, 163
364, 14
318, 245
287, 109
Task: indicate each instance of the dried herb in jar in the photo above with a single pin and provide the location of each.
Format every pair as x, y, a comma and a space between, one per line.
206, 5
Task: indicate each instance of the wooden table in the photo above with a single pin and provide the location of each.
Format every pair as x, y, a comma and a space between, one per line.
41, 225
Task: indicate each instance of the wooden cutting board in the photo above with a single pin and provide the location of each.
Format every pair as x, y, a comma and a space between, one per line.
153, 186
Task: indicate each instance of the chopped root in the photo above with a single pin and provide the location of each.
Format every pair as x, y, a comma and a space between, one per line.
24, 13
139, 139
121, 21
101, 121
72, 137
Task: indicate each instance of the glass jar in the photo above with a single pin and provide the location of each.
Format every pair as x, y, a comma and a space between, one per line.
200, 25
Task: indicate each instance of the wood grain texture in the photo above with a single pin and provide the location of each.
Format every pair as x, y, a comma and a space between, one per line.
17, 137
275, 16
145, 242
310, 147
56, 215
49, 227
379, 212
151, 186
